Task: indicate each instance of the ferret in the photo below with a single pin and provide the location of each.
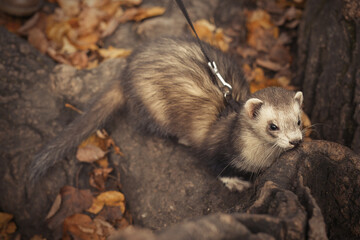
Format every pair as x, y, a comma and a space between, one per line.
168, 89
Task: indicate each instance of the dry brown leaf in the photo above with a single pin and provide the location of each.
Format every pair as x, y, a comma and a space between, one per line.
79, 226
246, 52
98, 178
10, 228
57, 56
37, 38
269, 64
55, 31
103, 228
261, 31
88, 21
70, 8
111, 214
86, 42
112, 8
89, 153
96, 141
130, 3
67, 47
148, 12
107, 28
122, 223
280, 54
209, 33
205, 30
79, 59
54, 207
112, 52
7, 227
94, 3
73, 201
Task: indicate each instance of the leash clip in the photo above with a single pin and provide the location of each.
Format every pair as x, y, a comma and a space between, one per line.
226, 88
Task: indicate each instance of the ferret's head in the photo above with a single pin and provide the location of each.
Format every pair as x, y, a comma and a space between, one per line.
274, 115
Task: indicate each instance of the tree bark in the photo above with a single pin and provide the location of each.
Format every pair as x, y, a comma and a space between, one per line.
328, 69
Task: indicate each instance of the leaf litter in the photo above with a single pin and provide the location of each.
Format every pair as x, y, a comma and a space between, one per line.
72, 34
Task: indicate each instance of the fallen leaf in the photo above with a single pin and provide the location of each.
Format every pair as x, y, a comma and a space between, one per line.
79, 226
94, 3
96, 206
130, 3
109, 198
112, 8
107, 28
67, 47
57, 56
262, 32
89, 153
10, 228
269, 64
37, 38
103, 228
122, 223
111, 214
91, 149
280, 54
246, 52
112, 52
79, 59
70, 8
113, 199
54, 207
55, 31
98, 178
148, 12
88, 20
73, 201
5, 218
209, 33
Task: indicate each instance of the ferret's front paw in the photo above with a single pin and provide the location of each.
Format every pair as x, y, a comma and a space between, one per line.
235, 183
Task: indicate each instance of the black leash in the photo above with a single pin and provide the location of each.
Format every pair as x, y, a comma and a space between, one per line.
225, 87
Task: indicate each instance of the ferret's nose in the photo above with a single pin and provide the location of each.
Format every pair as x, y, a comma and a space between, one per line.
295, 142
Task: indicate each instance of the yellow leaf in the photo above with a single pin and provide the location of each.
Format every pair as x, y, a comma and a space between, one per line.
97, 206
109, 198
113, 199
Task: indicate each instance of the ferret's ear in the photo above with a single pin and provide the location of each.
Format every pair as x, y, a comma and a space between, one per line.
299, 98
252, 107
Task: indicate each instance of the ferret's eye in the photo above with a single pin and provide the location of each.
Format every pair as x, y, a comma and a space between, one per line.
299, 122
273, 127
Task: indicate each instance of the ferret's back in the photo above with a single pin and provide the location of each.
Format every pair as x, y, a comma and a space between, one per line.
169, 80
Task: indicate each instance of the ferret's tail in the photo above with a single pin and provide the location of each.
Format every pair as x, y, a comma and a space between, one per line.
98, 112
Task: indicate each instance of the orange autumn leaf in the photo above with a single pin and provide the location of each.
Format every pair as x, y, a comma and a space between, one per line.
148, 12
214, 36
